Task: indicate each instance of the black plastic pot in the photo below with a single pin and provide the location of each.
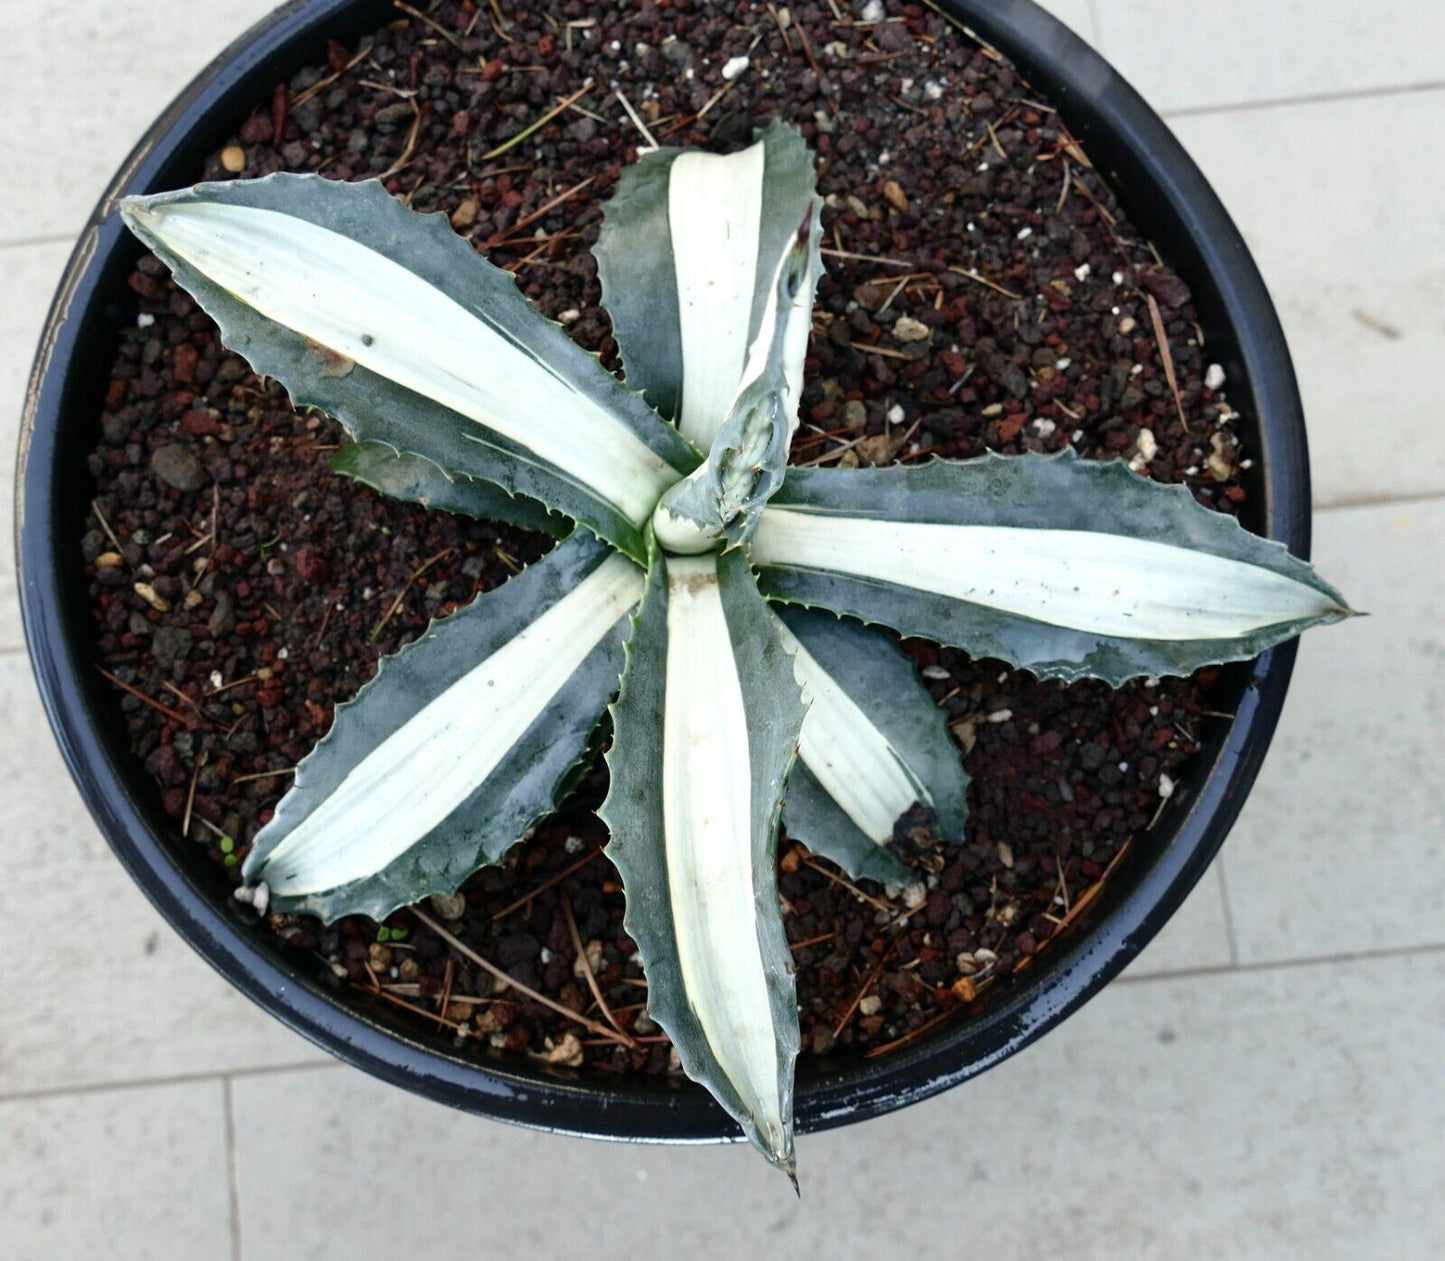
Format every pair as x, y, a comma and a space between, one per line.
1164, 193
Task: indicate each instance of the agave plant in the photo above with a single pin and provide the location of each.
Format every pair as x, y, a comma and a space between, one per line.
729, 593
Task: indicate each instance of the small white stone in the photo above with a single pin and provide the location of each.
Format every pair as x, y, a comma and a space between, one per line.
735, 67
546, 955
570, 317
217, 679
1044, 426
907, 329
896, 414
1166, 787
870, 1006
1001, 715
872, 11
915, 895
933, 91
282, 654
1081, 272
1117, 278
1025, 233
573, 845
936, 673
1062, 363
144, 321
1214, 378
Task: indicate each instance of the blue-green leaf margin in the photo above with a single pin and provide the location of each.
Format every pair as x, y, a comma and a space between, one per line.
522, 789
1060, 492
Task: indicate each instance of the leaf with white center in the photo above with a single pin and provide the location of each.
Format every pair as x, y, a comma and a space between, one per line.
457, 746
689, 258
873, 746
393, 324
416, 480
724, 499
1065, 567
705, 730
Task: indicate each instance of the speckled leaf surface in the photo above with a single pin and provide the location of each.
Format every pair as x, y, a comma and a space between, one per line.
457, 746
873, 746
416, 480
390, 322
1068, 568
705, 730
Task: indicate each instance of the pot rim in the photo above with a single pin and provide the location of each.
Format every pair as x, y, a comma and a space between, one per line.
1166, 195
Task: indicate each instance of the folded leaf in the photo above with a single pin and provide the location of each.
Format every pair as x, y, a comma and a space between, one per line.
419, 481
873, 746
749, 456
705, 730
1064, 567
457, 746
689, 260
393, 324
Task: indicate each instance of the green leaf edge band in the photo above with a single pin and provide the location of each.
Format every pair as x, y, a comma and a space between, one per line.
414, 479
633, 815
870, 667
426, 245
1060, 491
476, 833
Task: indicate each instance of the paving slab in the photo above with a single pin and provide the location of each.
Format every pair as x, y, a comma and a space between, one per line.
84, 82
1191, 56
1340, 204
1246, 1115
100, 989
1341, 847
129, 1175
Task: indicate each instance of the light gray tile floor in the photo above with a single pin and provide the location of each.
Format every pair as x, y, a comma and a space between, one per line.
1272, 1115
1259, 1085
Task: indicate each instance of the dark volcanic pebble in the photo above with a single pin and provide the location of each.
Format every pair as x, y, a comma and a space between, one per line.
984, 291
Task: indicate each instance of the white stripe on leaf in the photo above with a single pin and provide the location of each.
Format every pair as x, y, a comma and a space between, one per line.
367, 309
707, 795
715, 209
410, 782
1106, 584
856, 764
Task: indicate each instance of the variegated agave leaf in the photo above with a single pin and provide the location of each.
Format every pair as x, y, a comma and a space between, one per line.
705, 730
1064, 567
459, 744
393, 324
419, 481
709, 267
873, 746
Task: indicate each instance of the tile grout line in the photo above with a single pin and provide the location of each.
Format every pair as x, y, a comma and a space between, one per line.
1382, 501
27, 242
1311, 98
172, 1079
334, 1065
229, 1101
1229, 933
1285, 965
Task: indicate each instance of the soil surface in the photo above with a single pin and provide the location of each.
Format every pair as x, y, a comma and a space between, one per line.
984, 291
